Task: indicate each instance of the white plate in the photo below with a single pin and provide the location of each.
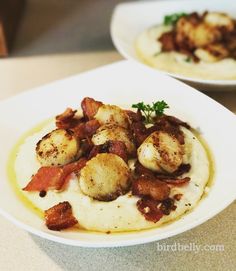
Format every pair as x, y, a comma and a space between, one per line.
122, 83
130, 19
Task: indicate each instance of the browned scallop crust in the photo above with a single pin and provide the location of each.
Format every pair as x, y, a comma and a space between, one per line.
105, 177
161, 151
58, 147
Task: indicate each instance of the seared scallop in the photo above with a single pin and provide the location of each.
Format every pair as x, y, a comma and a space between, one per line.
105, 177
161, 152
199, 35
114, 132
112, 114
217, 19
203, 35
212, 53
59, 147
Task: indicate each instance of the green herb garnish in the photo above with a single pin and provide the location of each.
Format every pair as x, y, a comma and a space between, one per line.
157, 108
173, 18
188, 59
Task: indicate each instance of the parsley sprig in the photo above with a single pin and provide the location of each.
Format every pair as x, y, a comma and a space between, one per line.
173, 18
148, 110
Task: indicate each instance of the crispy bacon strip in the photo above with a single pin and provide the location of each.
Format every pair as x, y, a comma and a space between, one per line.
183, 168
86, 129
60, 217
45, 179
153, 188
68, 114
140, 170
67, 119
118, 148
50, 178
139, 131
86, 146
95, 150
90, 107
111, 146
175, 181
137, 126
168, 41
154, 210
175, 121
149, 209
167, 206
134, 116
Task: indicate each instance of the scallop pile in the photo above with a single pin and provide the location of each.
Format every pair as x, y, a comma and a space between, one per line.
111, 169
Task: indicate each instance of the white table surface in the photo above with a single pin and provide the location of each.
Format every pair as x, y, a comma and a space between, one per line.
65, 37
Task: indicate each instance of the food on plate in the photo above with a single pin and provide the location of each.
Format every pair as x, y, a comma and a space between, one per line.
58, 147
195, 45
105, 177
112, 114
112, 131
161, 151
60, 216
108, 169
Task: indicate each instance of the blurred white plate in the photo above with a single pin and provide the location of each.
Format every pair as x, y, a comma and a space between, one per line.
122, 83
131, 19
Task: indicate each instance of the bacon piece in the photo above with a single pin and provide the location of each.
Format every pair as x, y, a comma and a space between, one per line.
66, 115
118, 148
95, 150
178, 196
183, 168
111, 146
139, 131
170, 178
154, 188
86, 129
90, 107
50, 178
134, 116
149, 209
60, 217
45, 179
167, 206
175, 121
67, 119
230, 42
86, 146
175, 181
140, 170
75, 166
168, 41
170, 125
